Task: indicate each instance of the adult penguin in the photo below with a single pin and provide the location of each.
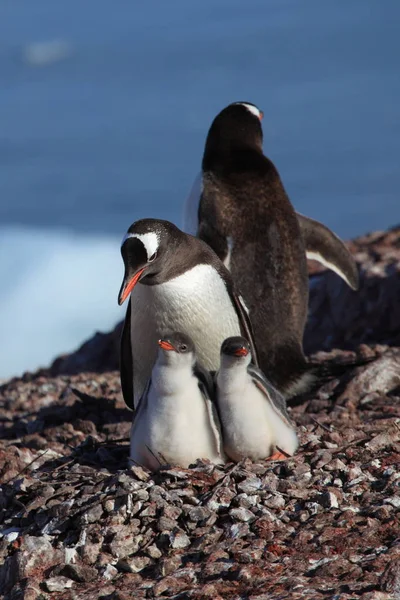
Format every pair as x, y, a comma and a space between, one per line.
245, 215
174, 282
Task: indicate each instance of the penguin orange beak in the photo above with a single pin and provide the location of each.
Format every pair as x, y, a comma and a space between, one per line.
165, 345
241, 352
127, 287
261, 115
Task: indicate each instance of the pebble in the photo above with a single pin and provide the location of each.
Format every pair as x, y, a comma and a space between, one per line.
94, 514
329, 500
166, 524
393, 500
313, 507
179, 539
276, 501
242, 514
199, 513
153, 551
110, 572
250, 485
58, 584
134, 564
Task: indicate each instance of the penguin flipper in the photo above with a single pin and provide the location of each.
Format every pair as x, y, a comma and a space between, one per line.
141, 406
323, 245
126, 362
206, 383
245, 324
191, 206
207, 388
276, 399
214, 238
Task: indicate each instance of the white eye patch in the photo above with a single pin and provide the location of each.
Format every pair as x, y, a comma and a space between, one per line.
149, 240
253, 109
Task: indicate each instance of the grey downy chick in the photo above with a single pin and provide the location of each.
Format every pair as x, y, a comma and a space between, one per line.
254, 419
176, 421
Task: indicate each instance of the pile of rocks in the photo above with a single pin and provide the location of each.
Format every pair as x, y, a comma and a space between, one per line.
341, 318
77, 523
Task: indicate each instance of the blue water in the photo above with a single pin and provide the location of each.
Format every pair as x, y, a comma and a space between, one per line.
104, 107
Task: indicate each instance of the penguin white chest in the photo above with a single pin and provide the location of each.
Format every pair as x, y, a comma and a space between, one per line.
245, 417
196, 303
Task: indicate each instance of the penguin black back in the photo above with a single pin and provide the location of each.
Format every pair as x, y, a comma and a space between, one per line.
246, 216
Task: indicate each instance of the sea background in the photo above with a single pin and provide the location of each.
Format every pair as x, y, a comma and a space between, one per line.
104, 108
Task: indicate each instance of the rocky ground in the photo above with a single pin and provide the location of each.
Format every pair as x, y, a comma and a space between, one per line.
77, 523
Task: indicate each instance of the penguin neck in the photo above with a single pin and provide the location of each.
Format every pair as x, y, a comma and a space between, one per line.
232, 375
189, 254
171, 377
232, 156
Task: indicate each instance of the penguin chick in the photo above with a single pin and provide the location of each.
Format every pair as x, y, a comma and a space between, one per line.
176, 422
254, 419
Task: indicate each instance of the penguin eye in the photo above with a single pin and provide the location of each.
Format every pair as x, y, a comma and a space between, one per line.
183, 347
152, 257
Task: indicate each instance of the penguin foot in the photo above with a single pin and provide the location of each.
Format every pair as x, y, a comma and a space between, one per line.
278, 455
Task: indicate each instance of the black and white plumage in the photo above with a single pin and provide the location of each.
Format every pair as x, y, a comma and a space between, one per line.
254, 420
240, 208
176, 421
175, 283
327, 248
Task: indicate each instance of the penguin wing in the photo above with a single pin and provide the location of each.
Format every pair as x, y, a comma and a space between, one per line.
191, 206
327, 248
245, 323
214, 238
206, 385
141, 406
275, 398
126, 363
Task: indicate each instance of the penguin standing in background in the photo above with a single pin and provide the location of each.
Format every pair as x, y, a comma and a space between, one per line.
253, 415
245, 215
176, 421
175, 283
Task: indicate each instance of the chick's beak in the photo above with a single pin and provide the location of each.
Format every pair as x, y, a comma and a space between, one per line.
127, 285
241, 352
166, 345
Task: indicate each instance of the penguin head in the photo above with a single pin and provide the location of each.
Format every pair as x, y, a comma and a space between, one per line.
176, 348
235, 350
239, 124
146, 250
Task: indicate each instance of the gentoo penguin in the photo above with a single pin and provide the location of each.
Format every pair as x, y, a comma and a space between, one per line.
176, 421
176, 283
320, 243
254, 420
245, 215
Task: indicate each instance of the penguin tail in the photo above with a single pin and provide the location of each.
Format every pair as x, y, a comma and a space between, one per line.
295, 376
332, 369
304, 382
318, 374
288, 370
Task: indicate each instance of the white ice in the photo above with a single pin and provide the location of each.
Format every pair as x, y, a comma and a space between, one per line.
56, 290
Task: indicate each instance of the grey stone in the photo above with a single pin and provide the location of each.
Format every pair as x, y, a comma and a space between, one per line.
135, 564
58, 584
242, 514
179, 539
